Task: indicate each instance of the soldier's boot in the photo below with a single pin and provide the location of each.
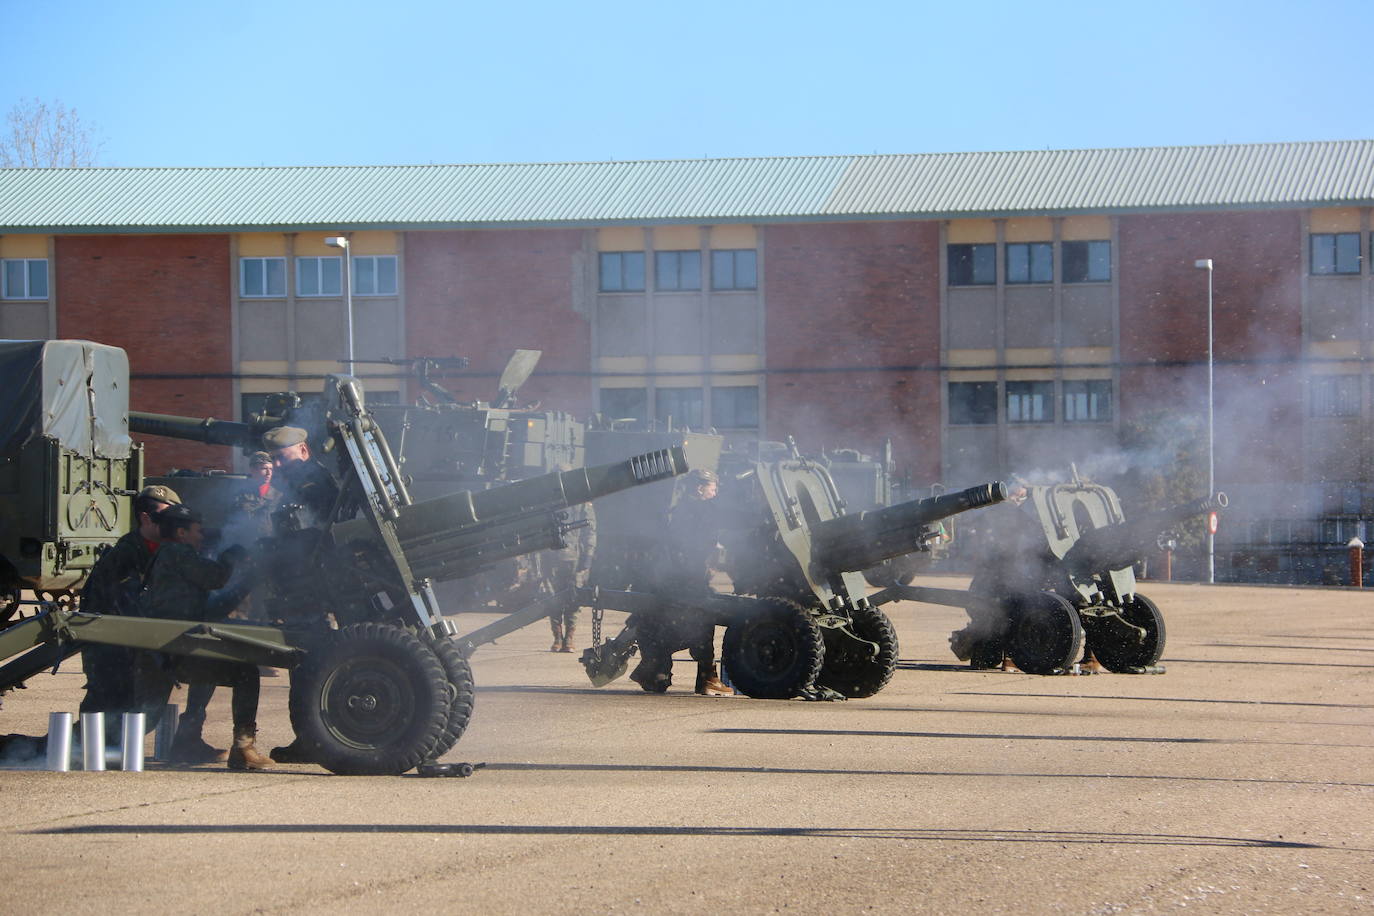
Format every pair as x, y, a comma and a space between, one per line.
709, 683
189, 747
295, 752
567, 645
244, 755
557, 627
650, 678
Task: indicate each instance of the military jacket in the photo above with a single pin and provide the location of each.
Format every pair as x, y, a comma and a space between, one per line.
117, 577
310, 485
581, 541
179, 584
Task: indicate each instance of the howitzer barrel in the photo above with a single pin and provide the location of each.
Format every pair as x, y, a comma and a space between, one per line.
1127, 543
456, 535
854, 542
210, 431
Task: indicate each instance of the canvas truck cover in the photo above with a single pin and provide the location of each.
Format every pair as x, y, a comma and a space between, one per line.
74, 391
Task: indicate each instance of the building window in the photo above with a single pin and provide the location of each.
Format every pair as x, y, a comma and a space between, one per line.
622, 271
1335, 253
374, 275
735, 269
678, 407
735, 407
1030, 402
625, 404
24, 278
972, 403
677, 270
261, 278
1087, 401
1030, 262
972, 265
1335, 395
319, 277
1087, 262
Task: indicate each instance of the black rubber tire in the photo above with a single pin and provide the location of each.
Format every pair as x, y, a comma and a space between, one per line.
1115, 654
1047, 637
462, 694
369, 700
852, 672
774, 653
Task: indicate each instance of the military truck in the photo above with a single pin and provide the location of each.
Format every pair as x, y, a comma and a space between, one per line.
380, 683
68, 469
1056, 570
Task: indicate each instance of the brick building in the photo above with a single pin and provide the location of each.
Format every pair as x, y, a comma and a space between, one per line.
989, 313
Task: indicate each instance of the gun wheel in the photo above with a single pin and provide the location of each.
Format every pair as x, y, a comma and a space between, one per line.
775, 652
462, 695
1119, 649
848, 667
1046, 635
370, 700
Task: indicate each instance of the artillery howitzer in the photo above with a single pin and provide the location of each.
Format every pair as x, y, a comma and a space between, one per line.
799, 623
1059, 571
390, 687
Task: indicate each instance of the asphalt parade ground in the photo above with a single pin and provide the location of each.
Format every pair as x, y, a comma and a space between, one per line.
1240, 781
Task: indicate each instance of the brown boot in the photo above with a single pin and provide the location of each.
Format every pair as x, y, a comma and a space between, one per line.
567, 645
557, 626
189, 747
709, 683
245, 756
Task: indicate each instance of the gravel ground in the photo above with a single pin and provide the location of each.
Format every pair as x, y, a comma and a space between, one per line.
1240, 781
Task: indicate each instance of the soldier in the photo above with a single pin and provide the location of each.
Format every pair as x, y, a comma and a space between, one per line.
304, 481
689, 551
181, 585
563, 569
113, 588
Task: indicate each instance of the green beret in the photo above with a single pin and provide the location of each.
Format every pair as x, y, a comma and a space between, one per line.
161, 494
283, 437
259, 458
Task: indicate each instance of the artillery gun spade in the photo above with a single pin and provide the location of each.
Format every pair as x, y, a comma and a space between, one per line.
389, 687
1061, 571
799, 623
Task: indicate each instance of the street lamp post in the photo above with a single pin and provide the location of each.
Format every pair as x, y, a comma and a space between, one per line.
1206, 264
339, 241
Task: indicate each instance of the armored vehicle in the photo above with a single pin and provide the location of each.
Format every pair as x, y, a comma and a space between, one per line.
1056, 568
380, 683
68, 470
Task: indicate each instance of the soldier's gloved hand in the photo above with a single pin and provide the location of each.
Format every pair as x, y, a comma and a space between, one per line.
581, 577
234, 555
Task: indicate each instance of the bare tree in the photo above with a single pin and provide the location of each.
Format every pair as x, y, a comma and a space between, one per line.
43, 136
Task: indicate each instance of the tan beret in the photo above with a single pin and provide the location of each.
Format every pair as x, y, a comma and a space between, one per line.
161, 494
283, 437
259, 458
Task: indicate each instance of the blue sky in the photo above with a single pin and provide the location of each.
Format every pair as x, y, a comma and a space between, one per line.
414, 81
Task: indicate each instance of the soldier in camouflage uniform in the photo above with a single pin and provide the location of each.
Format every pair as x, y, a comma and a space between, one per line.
560, 570
181, 585
688, 552
113, 588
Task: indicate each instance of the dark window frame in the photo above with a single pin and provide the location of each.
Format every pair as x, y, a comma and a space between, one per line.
1332, 264
30, 269
737, 276
1335, 396
695, 413
978, 408
971, 264
1091, 389
1077, 261
736, 411
376, 260
619, 267
1039, 389
639, 414
669, 271
1036, 272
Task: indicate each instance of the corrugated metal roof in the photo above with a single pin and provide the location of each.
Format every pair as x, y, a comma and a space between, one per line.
693, 190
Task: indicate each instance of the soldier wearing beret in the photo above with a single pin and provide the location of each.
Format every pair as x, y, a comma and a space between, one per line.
304, 481
113, 588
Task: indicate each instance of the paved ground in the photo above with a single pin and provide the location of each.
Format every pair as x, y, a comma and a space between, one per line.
1241, 781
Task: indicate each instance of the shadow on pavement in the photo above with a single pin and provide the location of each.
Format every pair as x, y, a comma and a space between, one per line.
850, 833
1127, 739
1060, 696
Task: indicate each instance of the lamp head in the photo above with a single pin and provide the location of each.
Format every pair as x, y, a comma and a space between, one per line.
336, 241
